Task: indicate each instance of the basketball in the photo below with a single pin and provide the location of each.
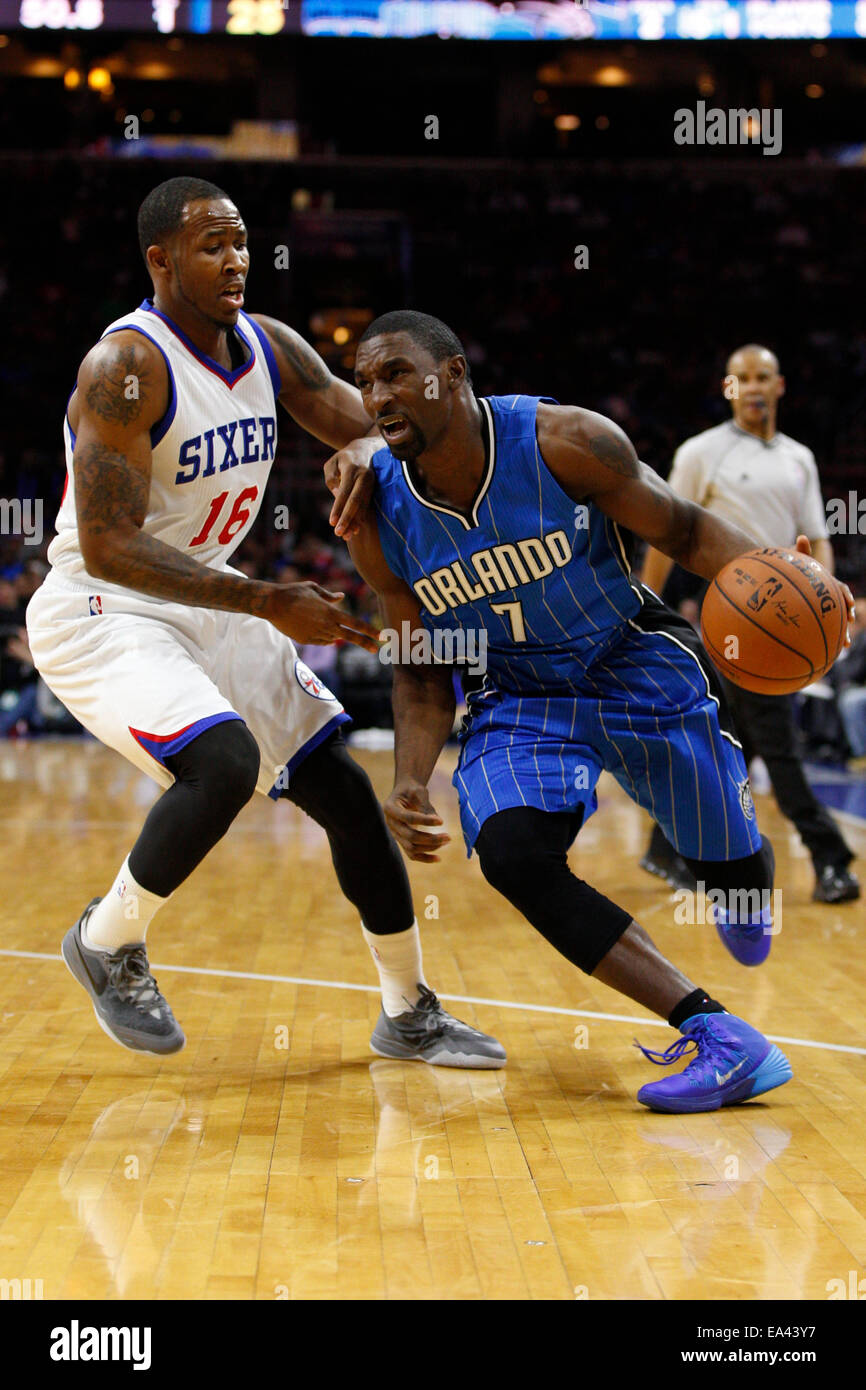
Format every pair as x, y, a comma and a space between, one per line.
774, 620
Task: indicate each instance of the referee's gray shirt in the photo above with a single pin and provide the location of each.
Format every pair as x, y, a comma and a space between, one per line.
769, 488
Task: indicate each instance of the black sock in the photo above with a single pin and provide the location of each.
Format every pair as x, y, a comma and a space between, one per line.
698, 1002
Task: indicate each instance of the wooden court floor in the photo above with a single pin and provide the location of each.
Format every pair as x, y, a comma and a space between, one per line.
276, 1157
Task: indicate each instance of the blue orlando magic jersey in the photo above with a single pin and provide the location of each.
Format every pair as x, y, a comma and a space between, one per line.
546, 577
585, 672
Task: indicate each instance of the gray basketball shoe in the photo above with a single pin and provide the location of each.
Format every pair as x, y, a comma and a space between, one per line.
126, 999
428, 1034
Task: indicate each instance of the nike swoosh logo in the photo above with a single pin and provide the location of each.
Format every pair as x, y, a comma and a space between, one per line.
98, 985
728, 1074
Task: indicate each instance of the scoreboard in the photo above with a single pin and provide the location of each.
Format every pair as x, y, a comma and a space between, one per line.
469, 19
154, 16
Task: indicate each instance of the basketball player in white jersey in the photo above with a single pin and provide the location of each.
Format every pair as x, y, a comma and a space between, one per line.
753, 476
183, 664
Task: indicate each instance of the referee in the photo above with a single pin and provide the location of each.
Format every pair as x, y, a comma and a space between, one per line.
766, 483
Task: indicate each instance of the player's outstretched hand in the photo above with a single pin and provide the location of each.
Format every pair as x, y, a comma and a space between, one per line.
408, 811
350, 478
308, 613
804, 546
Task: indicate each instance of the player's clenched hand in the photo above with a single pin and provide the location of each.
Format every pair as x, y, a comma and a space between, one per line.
408, 811
350, 478
308, 613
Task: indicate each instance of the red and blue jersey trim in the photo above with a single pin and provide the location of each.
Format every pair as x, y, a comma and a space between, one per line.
161, 428
229, 378
161, 746
163, 425
318, 737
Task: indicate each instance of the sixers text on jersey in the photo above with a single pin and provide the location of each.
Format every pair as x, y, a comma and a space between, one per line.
198, 455
212, 451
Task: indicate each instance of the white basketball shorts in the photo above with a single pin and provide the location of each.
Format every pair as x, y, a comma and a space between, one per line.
147, 677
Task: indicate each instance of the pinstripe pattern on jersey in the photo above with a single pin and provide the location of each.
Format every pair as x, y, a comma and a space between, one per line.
607, 678
671, 755
571, 614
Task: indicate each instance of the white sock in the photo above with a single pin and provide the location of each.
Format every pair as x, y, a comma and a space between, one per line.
398, 961
123, 916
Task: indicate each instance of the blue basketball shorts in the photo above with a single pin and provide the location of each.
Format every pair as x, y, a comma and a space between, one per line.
651, 712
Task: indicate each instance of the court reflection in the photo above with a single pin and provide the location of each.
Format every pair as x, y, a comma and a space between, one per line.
113, 1183
717, 1194
416, 1107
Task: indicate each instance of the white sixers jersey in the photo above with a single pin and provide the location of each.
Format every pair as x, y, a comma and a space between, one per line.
212, 450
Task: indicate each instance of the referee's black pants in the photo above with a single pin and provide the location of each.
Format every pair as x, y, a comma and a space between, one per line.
765, 727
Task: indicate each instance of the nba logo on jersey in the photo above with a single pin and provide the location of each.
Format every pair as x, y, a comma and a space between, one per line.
95, 603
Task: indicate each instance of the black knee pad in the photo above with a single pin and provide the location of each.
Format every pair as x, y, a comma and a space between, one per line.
523, 854
769, 860
222, 763
330, 787
509, 870
336, 791
349, 780
755, 871
521, 843
215, 776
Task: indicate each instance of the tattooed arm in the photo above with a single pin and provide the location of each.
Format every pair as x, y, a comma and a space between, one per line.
330, 409
122, 392
593, 460
320, 402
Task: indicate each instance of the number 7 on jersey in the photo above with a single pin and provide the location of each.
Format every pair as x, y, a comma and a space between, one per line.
515, 614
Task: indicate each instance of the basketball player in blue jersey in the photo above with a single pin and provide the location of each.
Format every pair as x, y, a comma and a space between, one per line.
502, 515
183, 664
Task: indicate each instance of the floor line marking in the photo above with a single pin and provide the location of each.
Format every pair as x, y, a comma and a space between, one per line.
450, 998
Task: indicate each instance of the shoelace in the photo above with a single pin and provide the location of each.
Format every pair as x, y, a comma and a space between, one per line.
129, 973
671, 1054
427, 1001
431, 1010
433, 1018
702, 1035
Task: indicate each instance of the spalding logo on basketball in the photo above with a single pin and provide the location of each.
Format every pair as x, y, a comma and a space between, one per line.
774, 621
309, 681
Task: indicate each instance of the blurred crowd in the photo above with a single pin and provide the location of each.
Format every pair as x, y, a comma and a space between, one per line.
622, 289
833, 711
26, 703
